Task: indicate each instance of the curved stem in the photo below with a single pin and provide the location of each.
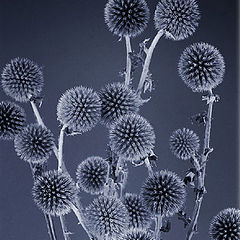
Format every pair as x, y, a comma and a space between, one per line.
128, 65
148, 61
202, 173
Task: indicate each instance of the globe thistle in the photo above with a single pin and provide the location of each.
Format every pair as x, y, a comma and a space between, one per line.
34, 144
54, 193
179, 18
184, 143
22, 79
139, 214
126, 17
226, 225
107, 216
79, 109
201, 67
92, 175
137, 234
164, 193
118, 100
132, 137
12, 120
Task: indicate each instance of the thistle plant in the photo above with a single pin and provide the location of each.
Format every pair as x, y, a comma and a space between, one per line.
114, 212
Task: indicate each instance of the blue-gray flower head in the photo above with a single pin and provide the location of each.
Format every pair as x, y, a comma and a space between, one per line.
22, 79
131, 137
54, 193
179, 18
126, 17
92, 175
12, 120
184, 143
201, 67
34, 144
140, 217
107, 216
118, 100
226, 225
138, 234
164, 193
79, 109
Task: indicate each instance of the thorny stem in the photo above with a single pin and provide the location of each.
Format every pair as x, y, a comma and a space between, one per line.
148, 61
149, 167
158, 226
60, 149
202, 173
128, 65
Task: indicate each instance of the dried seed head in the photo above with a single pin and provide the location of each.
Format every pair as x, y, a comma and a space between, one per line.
226, 225
34, 144
12, 120
164, 193
201, 67
118, 100
138, 234
131, 137
22, 79
126, 17
184, 143
179, 18
139, 214
107, 216
54, 193
79, 109
92, 175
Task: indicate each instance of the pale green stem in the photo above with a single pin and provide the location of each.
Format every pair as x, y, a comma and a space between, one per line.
202, 173
148, 61
158, 226
128, 64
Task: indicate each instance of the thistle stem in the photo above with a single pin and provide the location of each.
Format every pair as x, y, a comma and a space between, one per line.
148, 61
149, 167
202, 172
158, 226
51, 229
60, 149
128, 65
66, 233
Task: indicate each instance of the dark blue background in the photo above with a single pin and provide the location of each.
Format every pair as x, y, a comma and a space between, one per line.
70, 39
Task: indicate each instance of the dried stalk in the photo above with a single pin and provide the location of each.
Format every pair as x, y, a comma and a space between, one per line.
128, 64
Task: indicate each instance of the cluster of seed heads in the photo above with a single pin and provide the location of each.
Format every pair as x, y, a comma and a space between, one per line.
54, 193
22, 79
226, 225
138, 234
118, 100
126, 17
184, 143
34, 144
164, 193
12, 120
107, 216
201, 67
179, 18
132, 137
92, 175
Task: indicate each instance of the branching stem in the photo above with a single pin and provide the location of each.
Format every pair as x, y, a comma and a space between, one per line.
128, 64
148, 61
202, 173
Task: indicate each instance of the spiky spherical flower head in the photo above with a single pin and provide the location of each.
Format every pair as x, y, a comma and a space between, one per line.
184, 143
34, 144
226, 225
126, 17
137, 234
54, 193
201, 67
92, 175
179, 18
164, 193
107, 216
139, 214
22, 79
118, 100
131, 137
79, 109
12, 120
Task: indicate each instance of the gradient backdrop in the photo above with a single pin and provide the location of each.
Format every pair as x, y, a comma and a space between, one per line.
70, 39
